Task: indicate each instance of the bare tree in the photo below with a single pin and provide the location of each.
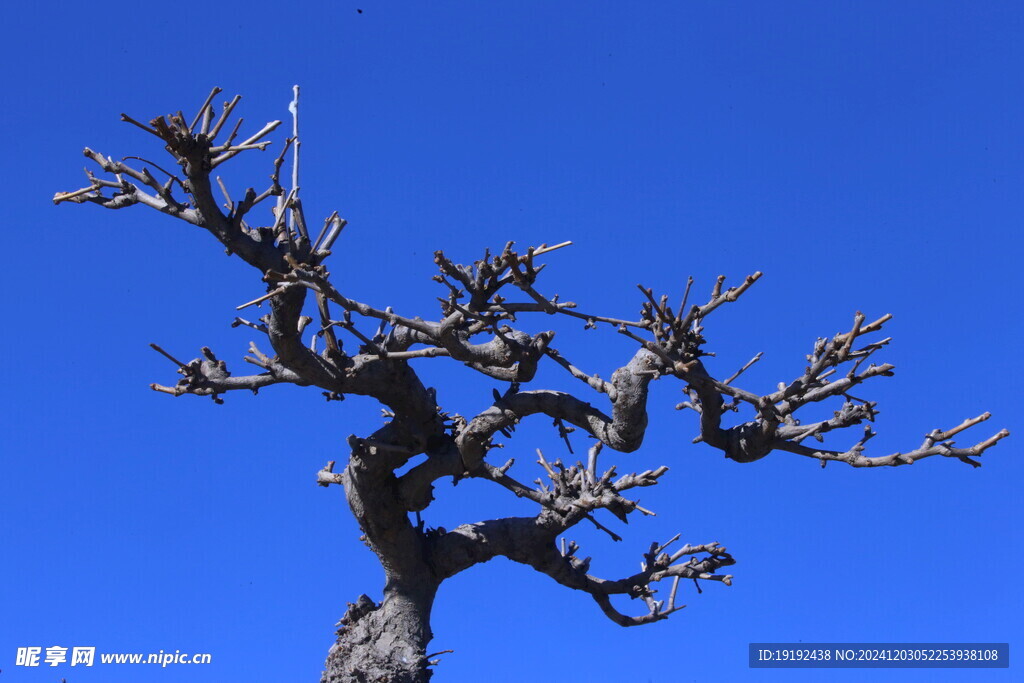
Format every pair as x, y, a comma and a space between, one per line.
479, 326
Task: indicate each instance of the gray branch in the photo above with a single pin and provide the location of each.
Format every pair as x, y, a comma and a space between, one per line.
531, 541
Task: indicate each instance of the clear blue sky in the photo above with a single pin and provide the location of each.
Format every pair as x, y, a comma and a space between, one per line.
864, 155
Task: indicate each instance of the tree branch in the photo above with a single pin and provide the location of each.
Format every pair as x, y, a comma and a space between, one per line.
531, 541
776, 426
207, 376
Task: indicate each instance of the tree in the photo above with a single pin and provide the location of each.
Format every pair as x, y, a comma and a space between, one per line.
390, 476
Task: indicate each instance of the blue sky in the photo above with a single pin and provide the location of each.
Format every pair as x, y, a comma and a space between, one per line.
865, 156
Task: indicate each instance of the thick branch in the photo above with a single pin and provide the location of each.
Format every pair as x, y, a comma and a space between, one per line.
531, 541
776, 426
623, 431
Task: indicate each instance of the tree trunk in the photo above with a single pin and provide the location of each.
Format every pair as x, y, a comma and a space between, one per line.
384, 643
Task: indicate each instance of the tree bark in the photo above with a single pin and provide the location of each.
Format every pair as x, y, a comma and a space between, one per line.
384, 643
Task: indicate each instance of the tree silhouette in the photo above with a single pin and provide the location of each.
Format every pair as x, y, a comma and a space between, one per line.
479, 326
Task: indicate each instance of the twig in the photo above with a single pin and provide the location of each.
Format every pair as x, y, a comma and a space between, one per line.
202, 110
293, 107
280, 290
744, 368
225, 113
167, 355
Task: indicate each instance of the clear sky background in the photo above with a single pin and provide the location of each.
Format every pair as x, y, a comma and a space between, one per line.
864, 155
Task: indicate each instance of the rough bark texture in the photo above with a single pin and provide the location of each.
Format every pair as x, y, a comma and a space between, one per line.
385, 642
476, 326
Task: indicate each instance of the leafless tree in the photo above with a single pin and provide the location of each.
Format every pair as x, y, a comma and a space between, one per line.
479, 325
